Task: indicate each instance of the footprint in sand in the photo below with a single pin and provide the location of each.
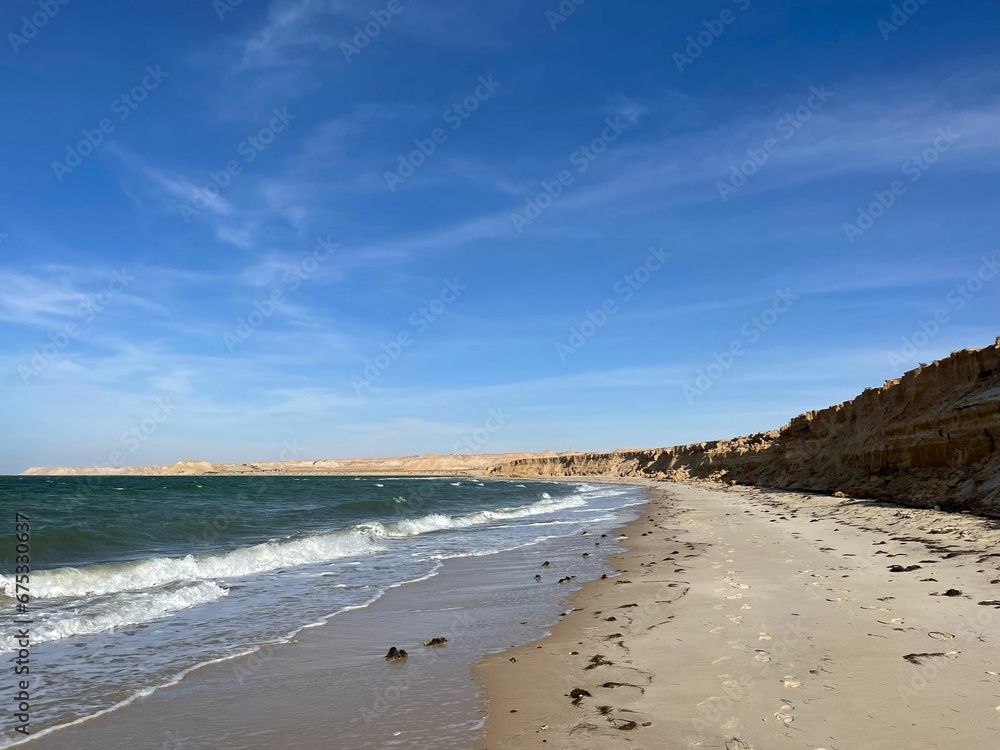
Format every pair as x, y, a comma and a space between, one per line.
941, 636
762, 657
735, 596
783, 715
722, 660
745, 606
716, 631
765, 637
737, 620
791, 682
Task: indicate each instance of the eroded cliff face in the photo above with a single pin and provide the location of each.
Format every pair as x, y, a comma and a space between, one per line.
928, 438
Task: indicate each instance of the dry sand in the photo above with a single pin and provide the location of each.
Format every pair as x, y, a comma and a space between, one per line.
747, 619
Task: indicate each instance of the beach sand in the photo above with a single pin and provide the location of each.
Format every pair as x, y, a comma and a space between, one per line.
748, 619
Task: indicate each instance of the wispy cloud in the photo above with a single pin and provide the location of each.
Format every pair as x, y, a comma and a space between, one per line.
292, 28
68, 292
29, 300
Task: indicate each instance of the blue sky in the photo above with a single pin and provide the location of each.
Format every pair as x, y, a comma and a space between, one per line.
356, 228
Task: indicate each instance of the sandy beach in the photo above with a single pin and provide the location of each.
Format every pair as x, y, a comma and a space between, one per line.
495, 376
745, 619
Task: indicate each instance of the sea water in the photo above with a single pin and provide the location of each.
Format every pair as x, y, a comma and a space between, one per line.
135, 581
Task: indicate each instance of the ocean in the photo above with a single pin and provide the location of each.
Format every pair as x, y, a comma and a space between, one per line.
137, 581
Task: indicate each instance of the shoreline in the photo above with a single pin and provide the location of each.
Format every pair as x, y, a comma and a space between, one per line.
248, 698
752, 565
746, 618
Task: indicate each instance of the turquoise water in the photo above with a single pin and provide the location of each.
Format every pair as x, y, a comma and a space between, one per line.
137, 580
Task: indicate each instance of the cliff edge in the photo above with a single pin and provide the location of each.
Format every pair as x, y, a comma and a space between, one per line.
927, 438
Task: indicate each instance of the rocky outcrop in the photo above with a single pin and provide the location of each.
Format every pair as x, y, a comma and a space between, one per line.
928, 438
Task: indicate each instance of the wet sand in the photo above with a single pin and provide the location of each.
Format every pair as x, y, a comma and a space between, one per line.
743, 619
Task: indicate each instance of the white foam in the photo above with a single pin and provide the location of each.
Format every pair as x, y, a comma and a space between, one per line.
364, 539
96, 580
440, 522
117, 611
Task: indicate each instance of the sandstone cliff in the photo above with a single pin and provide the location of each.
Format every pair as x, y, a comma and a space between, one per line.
928, 438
